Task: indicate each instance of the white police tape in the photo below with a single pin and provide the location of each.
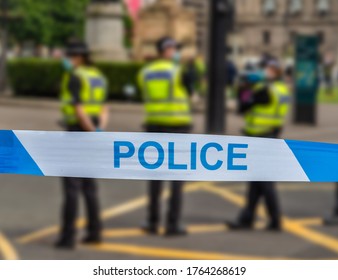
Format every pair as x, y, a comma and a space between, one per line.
147, 156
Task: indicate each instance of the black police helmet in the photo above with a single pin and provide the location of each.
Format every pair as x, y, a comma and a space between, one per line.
166, 42
75, 48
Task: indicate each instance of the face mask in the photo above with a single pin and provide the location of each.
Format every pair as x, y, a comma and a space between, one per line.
262, 75
177, 57
67, 64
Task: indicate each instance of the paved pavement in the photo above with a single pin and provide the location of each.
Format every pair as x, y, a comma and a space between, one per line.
30, 206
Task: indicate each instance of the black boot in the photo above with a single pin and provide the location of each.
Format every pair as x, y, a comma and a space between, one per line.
92, 239
238, 225
174, 230
331, 221
150, 228
65, 243
274, 226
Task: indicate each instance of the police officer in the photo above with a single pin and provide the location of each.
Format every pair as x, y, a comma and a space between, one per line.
82, 96
333, 220
167, 111
265, 113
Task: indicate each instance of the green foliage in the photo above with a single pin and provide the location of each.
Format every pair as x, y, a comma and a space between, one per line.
119, 75
68, 19
328, 96
30, 21
49, 22
35, 77
129, 27
42, 78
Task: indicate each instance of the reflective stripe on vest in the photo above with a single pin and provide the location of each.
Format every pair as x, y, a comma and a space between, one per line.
166, 100
92, 94
265, 118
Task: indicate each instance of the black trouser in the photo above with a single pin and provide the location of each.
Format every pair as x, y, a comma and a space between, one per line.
335, 212
258, 190
72, 188
155, 188
175, 203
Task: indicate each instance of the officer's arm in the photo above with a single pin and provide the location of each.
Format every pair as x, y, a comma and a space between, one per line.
75, 89
244, 95
188, 81
262, 96
85, 121
104, 117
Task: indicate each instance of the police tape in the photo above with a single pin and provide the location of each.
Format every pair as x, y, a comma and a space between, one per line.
148, 156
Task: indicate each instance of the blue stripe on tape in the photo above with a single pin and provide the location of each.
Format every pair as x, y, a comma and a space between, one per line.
14, 159
318, 160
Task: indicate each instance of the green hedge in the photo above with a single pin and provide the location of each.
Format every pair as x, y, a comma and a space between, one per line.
41, 77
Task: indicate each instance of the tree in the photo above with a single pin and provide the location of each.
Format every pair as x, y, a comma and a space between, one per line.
47, 22
68, 19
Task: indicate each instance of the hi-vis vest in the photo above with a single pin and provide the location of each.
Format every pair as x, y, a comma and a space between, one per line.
262, 119
166, 100
92, 95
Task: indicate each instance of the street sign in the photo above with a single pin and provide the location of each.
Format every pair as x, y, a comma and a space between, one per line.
306, 78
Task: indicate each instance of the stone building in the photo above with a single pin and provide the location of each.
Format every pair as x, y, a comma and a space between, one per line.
201, 10
165, 18
271, 25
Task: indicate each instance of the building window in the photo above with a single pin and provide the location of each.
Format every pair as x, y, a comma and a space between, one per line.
295, 7
323, 7
269, 7
266, 37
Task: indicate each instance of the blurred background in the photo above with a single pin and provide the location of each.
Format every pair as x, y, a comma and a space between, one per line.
122, 36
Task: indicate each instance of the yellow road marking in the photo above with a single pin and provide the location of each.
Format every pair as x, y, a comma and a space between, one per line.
6, 249
109, 213
315, 237
122, 233
135, 232
224, 193
289, 225
309, 221
106, 214
206, 228
166, 253
192, 229
286, 187
306, 188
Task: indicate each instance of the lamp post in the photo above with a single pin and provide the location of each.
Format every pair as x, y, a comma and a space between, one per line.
221, 22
